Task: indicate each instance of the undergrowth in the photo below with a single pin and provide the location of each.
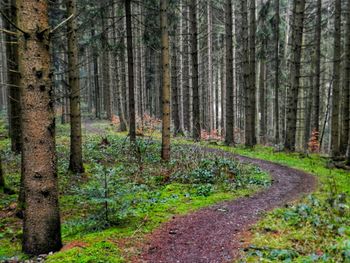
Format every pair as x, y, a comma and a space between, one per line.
126, 191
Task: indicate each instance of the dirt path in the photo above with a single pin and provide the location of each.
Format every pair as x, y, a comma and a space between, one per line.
215, 234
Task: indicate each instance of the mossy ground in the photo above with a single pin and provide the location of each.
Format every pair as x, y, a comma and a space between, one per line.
315, 229
143, 192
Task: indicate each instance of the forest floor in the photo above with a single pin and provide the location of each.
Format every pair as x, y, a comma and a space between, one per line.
218, 233
200, 207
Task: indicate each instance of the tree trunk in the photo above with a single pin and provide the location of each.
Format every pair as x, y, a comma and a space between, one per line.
41, 224
106, 66
186, 68
13, 78
96, 78
250, 140
277, 71
296, 43
229, 136
195, 86
76, 153
346, 88
335, 129
2, 179
175, 91
165, 81
132, 118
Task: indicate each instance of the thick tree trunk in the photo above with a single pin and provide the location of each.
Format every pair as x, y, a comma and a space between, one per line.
132, 117
76, 153
165, 81
195, 86
229, 134
335, 128
41, 224
297, 40
13, 78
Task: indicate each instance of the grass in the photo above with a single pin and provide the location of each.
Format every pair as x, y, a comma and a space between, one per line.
143, 192
316, 229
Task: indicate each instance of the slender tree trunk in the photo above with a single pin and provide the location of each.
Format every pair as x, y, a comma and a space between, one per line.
251, 97
277, 71
210, 67
2, 178
132, 117
317, 68
106, 66
262, 93
13, 78
297, 40
195, 85
229, 136
41, 224
175, 91
344, 139
186, 68
246, 71
76, 153
165, 81
96, 79
335, 129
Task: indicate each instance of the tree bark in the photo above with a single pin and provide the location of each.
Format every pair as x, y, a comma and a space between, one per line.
335, 129
132, 117
277, 71
346, 88
292, 103
250, 134
76, 152
186, 68
195, 86
229, 134
41, 224
165, 81
13, 78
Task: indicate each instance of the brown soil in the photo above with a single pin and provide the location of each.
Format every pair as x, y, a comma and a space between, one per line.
218, 233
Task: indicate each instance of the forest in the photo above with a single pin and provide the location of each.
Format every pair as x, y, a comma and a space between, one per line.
164, 131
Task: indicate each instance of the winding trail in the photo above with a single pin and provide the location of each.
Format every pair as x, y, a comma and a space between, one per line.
214, 234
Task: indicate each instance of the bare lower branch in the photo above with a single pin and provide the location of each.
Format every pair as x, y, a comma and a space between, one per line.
62, 23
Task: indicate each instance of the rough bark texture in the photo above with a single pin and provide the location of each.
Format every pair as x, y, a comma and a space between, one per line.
76, 152
229, 134
13, 77
347, 68
132, 117
165, 80
41, 224
292, 103
195, 85
335, 129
